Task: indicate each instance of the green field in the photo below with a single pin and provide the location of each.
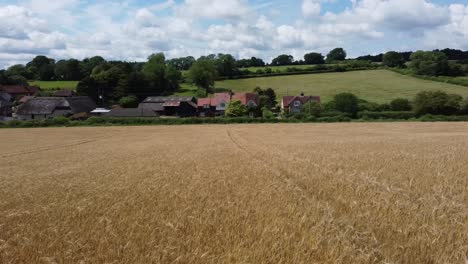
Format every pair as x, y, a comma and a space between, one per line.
376, 85
280, 68
55, 85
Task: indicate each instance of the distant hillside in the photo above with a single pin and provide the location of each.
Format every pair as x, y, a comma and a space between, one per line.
377, 86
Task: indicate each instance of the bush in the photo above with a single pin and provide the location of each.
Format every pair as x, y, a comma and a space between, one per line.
60, 120
235, 109
333, 119
312, 108
403, 115
129, 101
400, 104
437, 103
347, 103
200, 93
267, 114
442, 118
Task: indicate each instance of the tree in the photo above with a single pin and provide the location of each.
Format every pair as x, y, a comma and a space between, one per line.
134, 83
42, 68
162, 78
19, 70
400, 104
312, 108
226, 65
235, 109
252, 62
68, 70
269, 94
314, 58
393, 59
129, 101
88, 64
464, 107
346, 103
338, 54
282, 60
203, 73
182, 64
437, 103
429, 63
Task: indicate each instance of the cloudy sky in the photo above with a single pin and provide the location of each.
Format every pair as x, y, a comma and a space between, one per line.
133, 29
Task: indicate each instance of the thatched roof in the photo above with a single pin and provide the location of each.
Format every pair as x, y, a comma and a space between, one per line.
47, 105
81, 104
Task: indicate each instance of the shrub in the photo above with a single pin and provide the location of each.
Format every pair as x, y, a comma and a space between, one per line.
200, 93
404, 115
437, 103
235, 109
129, 101
267, 114
312, 108
400, 104
60, 120
347, 103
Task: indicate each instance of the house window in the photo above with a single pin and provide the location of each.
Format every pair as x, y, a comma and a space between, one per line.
297, 103
222, 105
207, 106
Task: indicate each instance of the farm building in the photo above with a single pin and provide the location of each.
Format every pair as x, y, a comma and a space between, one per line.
17, 91
218, 103
170, 105
293, 104
131, 112
5, 104
64, 93
49, 107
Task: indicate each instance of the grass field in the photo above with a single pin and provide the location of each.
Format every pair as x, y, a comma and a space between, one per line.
55, 85
378, 86
330, 193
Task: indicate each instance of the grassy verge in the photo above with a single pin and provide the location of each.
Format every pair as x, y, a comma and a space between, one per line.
107, 121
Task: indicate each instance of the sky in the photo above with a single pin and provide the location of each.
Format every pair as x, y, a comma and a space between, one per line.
131, 30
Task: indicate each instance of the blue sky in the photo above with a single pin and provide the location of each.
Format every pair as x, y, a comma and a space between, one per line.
133, 29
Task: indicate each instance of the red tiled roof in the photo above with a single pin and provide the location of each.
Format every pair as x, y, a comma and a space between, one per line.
64, 93
204, 101
219, 98
304, 99
15, 89
245, 98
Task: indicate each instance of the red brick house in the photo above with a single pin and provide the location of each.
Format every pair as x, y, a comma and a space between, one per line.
217, 105
293, 104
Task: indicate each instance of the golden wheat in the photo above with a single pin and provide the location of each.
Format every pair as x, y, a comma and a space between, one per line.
331, 193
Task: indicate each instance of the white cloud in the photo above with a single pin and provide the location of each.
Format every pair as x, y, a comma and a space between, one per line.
244, 28
311, 8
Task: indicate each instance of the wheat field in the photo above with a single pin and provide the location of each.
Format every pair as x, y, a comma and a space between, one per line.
289, 193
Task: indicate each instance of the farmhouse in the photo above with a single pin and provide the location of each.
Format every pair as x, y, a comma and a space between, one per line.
213, 106
5, 105
218, 103
49, 107
170, 105
293, 104
248, 99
